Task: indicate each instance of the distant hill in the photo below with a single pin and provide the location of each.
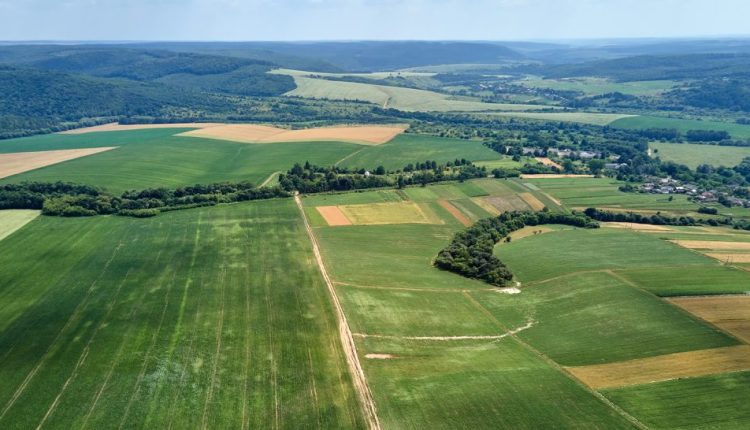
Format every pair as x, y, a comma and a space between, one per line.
189, 70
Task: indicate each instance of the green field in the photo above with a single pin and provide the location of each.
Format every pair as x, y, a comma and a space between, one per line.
738, 131
582, 117
597, 86
155, 158
406, 99
410, 148
13, 219
190, 319
693, 155
716, 402
690, 281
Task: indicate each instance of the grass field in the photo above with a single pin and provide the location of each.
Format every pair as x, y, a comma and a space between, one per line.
190, 319
690, 280
406, 99
718, 401
13, 219
153, 158
737, 131
693, 155
411, 148
598, 86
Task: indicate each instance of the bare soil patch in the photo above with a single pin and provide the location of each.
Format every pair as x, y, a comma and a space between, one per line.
730, 258
547, 162
19, 162
380, 356
714, 245
729, 313
124, 127
455, 212
532, 201
333, 216
554, 176
664, 367
251, 133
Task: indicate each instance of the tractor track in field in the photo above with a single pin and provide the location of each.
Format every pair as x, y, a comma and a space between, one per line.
347, 340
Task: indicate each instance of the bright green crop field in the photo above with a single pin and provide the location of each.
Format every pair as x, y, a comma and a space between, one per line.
153, 158
693, 155
410, 148
191, 319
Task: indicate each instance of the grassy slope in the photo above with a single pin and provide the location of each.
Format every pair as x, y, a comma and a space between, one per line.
156, 159
190, 318
411, 148
718, 401
693, 155
738, 131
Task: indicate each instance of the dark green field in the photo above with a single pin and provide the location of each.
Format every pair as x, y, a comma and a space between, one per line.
191, 319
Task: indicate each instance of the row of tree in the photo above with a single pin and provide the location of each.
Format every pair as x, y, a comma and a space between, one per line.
661, 219
470, 253
72, 200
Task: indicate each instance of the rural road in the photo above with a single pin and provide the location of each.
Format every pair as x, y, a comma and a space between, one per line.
347, 340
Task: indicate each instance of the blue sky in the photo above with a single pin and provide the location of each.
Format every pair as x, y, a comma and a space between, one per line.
368, 19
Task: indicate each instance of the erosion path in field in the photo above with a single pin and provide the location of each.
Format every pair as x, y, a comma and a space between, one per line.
347, 340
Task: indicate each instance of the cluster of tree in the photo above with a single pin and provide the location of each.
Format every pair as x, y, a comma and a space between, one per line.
714, 137
470, 253
66, 199
713, 93
309, 178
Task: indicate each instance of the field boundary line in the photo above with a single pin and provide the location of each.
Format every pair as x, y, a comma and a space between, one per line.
633, 420
269, 178
526, 326
427, 290
349, 156
350, 349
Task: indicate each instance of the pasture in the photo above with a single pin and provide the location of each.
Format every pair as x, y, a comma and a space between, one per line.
13, 219
693, 155
190, 319
737, 131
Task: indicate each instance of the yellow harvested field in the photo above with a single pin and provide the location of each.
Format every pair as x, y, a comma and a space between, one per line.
487, 206
252, 133
390, 213
455, 212
19, 162
714, 245
532, 201
125, 127
664, 367
554, 176
730, 258
529, 231
729, 313
333, 216
13, 219
637, 227
547, 162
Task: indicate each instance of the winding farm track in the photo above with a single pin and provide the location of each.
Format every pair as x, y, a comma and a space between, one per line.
347, 340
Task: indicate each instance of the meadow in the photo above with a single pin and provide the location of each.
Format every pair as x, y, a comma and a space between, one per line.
693, 155
737, 131
190, 319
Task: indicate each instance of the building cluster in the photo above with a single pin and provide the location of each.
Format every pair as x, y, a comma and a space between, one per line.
656, 185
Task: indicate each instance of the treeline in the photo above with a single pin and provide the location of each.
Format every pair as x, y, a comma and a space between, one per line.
661, 219
74, 200
309, 178
470, 253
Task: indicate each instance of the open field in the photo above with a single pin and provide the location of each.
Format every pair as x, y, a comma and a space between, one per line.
592, 118
155, 158
455, 212
250, 133
665, 367
406, 99
333, 215
730, 313
190, 319
13, 219
718, 401
412, 148
532, 201
390, 213
597, 86
129, 127
737, 131
19, 162
693, 155
637, 227
689, 280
